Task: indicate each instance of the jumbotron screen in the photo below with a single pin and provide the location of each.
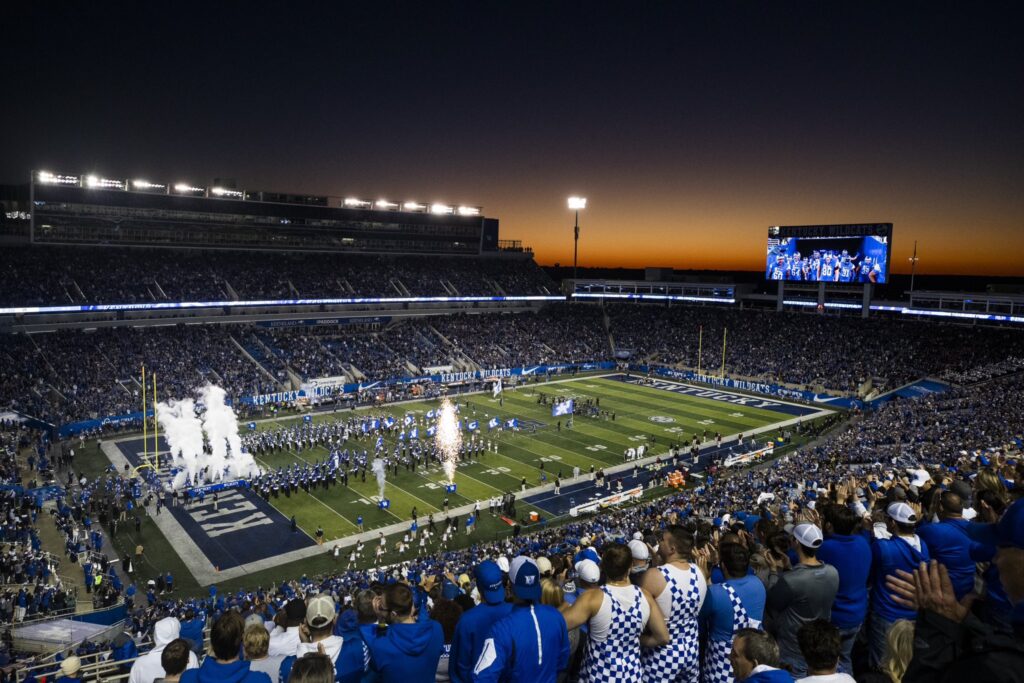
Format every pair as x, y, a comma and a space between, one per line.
853, 253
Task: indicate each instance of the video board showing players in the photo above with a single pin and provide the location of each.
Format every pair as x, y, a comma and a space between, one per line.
854, 254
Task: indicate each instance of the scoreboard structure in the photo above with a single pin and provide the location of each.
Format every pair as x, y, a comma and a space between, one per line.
843, 260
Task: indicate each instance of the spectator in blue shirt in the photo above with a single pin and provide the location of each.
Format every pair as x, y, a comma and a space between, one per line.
530, 644
903, 551
475, 624
850, 553
949, 543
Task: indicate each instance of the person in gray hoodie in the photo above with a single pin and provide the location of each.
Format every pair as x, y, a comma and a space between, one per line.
148, 667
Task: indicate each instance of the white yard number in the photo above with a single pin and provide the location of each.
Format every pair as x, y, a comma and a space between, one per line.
674, 430
497, 470
735, 414
430, 485
638, 437
365, 501
550, 458
706, 422
597, 447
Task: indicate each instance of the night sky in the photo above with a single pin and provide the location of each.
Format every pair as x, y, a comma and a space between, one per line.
690, 129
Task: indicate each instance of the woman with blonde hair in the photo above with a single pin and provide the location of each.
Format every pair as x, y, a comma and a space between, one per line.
899, 650
551, 593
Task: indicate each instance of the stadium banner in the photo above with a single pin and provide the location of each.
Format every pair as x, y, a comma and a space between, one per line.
74, 428
197, 491
607, 501
325, 322
844, 402
748, 458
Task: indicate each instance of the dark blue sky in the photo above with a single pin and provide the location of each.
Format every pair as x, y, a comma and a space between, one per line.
691, 128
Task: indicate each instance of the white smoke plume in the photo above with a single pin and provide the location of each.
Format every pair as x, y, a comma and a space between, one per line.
379, 471
184, 432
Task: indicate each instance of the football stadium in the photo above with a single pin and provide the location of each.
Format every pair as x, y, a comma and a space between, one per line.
284, 435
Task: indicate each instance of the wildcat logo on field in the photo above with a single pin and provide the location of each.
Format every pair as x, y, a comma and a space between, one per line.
663, 419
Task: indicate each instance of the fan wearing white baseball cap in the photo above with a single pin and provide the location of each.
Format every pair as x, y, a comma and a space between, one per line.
532, 642
903, 551
801, 595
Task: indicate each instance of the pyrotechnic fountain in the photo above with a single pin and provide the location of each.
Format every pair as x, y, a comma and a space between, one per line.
448, 438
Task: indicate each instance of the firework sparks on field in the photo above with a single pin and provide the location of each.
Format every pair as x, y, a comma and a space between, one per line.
448, 438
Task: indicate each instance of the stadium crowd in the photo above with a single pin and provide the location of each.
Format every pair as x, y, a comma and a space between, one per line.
892, 551
835, 353
54, 276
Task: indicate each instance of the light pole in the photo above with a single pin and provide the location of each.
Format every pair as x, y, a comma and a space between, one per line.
913, 269
576, 203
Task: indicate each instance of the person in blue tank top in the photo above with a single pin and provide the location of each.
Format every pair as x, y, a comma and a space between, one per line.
735, 603
850, 553
904, 551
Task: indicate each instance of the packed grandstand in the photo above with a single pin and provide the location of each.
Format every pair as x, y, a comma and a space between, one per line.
810, 562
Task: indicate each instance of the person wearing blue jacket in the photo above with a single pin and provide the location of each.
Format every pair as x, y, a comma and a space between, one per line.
949, 543
224, 666
532, 643
903, 551
351, 662
474, 625
408, 649
850, 553
755, 658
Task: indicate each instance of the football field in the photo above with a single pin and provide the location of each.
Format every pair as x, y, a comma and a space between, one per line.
642, 415
241, 535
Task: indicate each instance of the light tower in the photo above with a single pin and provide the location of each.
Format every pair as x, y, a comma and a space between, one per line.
576, 204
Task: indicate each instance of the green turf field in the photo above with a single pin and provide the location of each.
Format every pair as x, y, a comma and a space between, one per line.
591, 441
597, 442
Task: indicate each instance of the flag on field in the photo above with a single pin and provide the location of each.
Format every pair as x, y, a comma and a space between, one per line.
430, 414
415, 433
380, 442
562, 408
252, 426
307, 418
431, 430
389, 422
494, 423
497, 388
513, 423
375, 423
401, 436
473, 426
366, 426
408, 420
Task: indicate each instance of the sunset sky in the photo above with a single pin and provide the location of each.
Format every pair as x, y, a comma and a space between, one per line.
690, 129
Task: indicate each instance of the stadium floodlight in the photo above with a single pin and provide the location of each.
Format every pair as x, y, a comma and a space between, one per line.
469, 211
185, 188
440, 208
103, 183
225, 192
386, 205
354, 202
576, 204
56, 179
146, 185
414, 206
